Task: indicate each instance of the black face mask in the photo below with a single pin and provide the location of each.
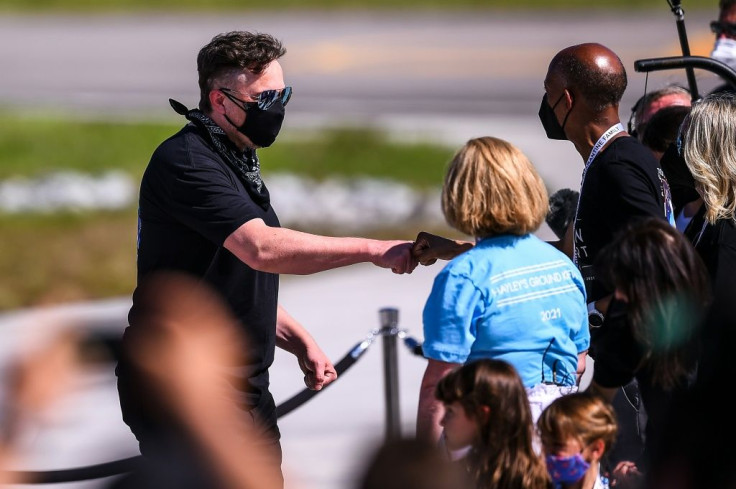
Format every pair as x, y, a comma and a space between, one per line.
261, 126
549, 121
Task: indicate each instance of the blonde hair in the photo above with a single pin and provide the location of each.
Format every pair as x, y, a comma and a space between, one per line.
710, 153
492, 188
582, 416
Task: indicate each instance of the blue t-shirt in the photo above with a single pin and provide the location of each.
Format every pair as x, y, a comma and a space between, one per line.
514, 298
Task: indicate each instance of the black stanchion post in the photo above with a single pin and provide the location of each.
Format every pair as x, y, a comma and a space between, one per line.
389, 332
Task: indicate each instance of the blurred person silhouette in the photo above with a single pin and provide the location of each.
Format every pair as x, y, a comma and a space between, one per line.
34, 383
650, 103
204, 209
697, 449
724, 49
487, 409
183, 353
576, 431
511, 296
708, 145
652, 332
408, 463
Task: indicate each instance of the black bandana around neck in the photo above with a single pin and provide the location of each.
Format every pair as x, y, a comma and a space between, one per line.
245, 163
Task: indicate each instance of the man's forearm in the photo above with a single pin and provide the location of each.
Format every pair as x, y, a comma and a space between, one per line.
291, 336
282, 250
294, 338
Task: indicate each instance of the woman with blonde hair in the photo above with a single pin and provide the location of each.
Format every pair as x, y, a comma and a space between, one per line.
486, 407
491, 188
510, 296
708, 144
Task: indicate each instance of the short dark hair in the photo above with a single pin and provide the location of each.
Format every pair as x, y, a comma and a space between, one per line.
236, 50
599, 88
726, 4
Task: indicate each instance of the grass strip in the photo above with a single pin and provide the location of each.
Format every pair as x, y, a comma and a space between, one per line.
62, 257
35, 146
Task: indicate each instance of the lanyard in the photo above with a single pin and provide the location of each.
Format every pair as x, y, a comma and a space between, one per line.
605, 137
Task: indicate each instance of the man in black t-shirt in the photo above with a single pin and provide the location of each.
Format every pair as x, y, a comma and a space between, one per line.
621, 180
621, 177
205, 210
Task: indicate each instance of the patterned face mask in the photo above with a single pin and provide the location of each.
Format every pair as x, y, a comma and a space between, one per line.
566, 470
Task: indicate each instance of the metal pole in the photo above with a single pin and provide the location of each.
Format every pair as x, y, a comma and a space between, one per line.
389, 331
684, 46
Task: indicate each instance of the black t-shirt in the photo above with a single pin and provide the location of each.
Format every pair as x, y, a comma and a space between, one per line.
190, 202
623, 182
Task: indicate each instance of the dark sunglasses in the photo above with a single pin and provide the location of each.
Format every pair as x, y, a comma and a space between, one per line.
263, 100
718, 28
